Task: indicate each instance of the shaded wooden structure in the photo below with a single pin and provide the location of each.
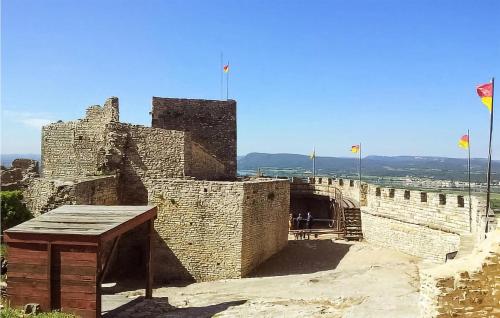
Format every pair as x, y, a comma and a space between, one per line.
60, 258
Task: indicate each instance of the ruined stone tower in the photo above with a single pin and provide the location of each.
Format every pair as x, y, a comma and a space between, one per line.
210, 225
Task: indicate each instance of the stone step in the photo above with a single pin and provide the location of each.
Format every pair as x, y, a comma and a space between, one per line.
467, 244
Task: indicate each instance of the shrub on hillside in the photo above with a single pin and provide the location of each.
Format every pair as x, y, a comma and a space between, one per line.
14, 211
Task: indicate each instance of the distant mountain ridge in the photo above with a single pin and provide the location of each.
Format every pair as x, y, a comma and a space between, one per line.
397, 166
388, 166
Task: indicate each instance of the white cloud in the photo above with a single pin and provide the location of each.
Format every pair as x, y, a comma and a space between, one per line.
36, 122
29, 119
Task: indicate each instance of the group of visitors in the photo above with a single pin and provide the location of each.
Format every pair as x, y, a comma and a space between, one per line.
300, 224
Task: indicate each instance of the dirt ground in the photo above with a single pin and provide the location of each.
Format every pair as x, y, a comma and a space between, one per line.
309, 278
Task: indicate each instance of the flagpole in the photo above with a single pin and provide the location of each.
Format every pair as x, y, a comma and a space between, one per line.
227, 81
314, 162
360, 167
489, 154
221, 75
468, 170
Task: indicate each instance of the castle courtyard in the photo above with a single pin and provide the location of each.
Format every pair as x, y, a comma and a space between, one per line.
309, 278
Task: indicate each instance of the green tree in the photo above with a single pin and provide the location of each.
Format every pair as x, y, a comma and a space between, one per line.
13, 211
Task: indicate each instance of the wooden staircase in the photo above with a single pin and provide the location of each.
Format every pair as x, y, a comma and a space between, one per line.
353, 224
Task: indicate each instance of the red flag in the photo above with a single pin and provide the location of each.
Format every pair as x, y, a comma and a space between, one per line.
485, 91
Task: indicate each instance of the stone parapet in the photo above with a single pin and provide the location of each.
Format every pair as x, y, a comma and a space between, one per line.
448, 212
413, 239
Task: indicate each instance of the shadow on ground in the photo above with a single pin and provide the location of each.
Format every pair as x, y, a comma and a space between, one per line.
159, 306
303, 257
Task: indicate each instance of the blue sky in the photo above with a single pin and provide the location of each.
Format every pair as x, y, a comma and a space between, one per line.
399, 76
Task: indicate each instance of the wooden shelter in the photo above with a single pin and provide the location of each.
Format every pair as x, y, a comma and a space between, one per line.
59, 259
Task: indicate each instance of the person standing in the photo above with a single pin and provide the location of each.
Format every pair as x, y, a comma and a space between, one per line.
309, 220
299, 221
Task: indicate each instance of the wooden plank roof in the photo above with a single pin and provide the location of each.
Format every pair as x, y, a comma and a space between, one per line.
87, 220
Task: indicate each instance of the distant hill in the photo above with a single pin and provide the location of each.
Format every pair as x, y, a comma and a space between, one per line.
397, 166
8, 158
381, 166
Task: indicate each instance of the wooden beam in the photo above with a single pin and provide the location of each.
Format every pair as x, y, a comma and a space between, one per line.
59, 239
149, 264
129, 225
108, 260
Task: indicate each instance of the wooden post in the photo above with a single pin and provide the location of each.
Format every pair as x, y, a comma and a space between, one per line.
98, 292
49, 275
149, 258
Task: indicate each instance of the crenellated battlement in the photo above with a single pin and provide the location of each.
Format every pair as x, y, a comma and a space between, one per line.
372, 193
422, 223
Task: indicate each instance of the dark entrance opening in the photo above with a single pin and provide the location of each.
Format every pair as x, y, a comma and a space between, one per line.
320, 206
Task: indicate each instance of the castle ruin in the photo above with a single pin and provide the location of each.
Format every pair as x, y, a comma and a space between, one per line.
210, 225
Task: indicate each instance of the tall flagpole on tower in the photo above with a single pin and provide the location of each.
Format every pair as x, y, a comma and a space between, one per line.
464, 143
360, 166
227, 81
468, 170
314, 162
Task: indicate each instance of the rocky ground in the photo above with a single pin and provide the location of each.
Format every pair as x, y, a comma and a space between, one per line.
309, 278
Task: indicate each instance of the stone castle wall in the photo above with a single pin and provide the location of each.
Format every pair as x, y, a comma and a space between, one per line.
152, 154
418, 240
424, 224
100, 145
440, 211
44, 194
265, 221
146, 157
205, 227
466, 287
76, 148
350, 189
203, 165
211, 123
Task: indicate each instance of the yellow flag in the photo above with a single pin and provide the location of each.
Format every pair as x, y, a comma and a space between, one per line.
464, 142
313, 155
